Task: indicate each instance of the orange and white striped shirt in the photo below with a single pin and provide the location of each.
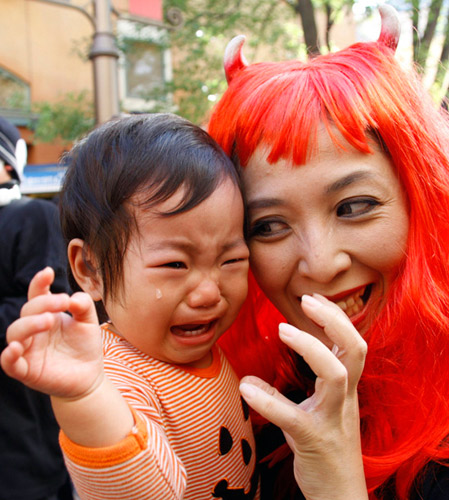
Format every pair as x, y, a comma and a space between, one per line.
192, 439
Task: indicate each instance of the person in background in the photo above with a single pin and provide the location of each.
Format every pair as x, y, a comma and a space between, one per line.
345, 165
31, 462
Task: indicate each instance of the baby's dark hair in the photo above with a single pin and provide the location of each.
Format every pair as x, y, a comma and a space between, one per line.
151, 155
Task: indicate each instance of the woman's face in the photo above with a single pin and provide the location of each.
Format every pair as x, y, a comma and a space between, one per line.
336, 226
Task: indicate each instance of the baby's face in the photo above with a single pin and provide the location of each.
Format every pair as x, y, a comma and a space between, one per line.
184, 278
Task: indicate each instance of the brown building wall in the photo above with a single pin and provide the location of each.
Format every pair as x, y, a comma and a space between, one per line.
43, 44
38, 44
46, 45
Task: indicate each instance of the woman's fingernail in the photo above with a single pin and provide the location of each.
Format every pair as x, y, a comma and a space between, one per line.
248, 391
310, 301
286, 330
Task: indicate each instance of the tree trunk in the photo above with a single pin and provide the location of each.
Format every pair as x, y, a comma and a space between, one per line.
329, 23
429, 32
415, 20
444, 58
306, 12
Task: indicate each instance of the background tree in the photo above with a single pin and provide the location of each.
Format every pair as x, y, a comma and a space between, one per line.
426, 24
306, 11
65, 120
275, 30
208, 25
430, 28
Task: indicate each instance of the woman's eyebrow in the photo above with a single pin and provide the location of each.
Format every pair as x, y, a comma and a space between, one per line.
347, 180
265, 203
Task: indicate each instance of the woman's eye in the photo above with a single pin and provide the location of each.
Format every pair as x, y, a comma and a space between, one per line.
354, 208
266, 228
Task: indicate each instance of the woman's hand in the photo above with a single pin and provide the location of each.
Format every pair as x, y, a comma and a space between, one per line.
324, 430
51, 351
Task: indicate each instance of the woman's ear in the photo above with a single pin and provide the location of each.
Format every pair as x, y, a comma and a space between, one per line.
86, 276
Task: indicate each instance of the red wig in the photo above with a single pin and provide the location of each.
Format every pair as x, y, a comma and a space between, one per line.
362, 90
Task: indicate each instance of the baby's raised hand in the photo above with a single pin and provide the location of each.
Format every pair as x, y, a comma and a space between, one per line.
50, 350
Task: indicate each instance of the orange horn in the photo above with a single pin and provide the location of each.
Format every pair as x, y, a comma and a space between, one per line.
391, 28
234, 60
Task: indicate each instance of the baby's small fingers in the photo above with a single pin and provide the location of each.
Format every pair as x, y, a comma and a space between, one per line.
82, 307
24, 328
41, 282
12, 363
52, 302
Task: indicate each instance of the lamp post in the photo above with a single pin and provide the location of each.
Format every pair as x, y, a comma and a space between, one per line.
104, 55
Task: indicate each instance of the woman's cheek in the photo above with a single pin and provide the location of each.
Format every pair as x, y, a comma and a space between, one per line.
269, 267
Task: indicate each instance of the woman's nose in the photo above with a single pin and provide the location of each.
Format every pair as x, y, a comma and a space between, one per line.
323, 258
205, 294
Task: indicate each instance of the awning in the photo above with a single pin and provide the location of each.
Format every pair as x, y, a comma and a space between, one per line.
42, 178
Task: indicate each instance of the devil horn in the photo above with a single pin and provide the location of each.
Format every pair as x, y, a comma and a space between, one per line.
391, 27
234, 60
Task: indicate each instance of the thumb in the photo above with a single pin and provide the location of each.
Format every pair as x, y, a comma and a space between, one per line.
41, 282
270, 403
82, 308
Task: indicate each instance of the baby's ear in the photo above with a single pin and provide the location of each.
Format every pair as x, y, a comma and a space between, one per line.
84, 269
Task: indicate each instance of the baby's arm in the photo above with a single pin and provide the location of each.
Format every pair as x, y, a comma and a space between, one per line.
61, 355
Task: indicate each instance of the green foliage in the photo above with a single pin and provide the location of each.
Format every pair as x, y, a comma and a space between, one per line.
15, 100
65, 120
14, 93
273, 32
430, 35
198, 45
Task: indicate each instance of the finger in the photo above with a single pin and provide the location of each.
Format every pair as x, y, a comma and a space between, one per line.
41, 282
265, 386
350, 347
332, 381
52, 302
271, 404
12, 363
24, 328
82, 308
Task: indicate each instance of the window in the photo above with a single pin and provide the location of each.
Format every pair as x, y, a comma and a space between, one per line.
144, 67
14, 93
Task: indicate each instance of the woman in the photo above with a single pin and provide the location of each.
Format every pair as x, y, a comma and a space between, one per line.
346, 170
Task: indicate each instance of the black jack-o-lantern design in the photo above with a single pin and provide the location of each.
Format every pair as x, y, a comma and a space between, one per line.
222, 489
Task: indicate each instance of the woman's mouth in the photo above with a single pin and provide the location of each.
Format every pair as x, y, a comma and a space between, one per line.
352, 304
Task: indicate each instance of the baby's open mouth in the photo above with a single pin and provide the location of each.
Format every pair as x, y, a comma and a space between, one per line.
192, 330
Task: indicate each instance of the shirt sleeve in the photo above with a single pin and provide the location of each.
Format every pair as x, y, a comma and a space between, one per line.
140, 467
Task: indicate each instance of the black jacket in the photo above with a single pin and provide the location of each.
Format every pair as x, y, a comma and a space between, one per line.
31, 464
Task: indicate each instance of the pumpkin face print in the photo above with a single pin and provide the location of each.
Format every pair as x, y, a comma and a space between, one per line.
228, 444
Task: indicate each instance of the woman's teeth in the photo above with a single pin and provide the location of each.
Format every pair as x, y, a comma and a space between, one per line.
352, 304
